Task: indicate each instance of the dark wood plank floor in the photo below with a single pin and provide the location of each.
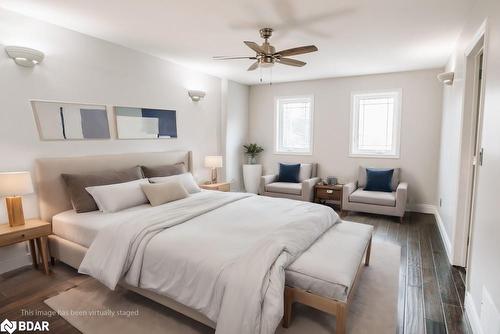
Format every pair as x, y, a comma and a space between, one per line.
430, 299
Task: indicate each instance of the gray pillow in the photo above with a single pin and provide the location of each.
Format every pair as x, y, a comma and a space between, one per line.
165, 170
81, 200
394, 181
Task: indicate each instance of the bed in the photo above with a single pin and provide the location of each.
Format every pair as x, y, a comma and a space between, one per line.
201, 266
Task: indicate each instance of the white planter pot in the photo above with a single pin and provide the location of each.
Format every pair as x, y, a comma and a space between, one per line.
251, 177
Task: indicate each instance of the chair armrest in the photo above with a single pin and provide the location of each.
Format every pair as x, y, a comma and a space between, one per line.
266, 179
401, 193
347, 190
308, 188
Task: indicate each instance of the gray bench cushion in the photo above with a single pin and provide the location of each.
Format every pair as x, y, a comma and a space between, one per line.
284, 188
373, 197
329, 266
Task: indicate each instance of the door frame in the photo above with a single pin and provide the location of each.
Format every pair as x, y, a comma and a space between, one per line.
468, 174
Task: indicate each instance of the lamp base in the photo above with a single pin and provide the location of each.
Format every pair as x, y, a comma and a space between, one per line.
214, 175
15, 210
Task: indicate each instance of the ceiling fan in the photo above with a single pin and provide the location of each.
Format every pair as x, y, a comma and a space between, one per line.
267, 56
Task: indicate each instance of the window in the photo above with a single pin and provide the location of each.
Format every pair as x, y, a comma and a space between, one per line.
294, 122
375, 123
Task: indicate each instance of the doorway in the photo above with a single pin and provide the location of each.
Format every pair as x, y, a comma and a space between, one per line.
471, 152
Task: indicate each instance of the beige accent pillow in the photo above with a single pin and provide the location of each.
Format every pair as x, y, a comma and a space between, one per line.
161, 193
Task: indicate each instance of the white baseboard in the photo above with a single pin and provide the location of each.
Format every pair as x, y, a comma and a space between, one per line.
472, 315
422, 208
432, 209
444, 236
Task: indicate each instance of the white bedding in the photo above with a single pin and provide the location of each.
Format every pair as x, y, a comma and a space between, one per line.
223, 254
82, 228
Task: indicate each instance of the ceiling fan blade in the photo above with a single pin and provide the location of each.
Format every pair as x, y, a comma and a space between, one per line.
296, 51
253, 66
254, 46
228, 57
291, 62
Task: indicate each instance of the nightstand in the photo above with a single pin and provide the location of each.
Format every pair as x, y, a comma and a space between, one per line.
327, 192
35, 232
221, 186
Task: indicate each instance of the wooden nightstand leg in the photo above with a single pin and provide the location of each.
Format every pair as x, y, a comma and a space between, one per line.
42, 247
33, 253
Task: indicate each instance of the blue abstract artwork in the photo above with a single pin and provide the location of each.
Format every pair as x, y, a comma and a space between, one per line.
145, 123
71, 121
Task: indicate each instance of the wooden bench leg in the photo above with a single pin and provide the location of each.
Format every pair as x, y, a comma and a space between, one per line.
341, 319
368, 253
287, 317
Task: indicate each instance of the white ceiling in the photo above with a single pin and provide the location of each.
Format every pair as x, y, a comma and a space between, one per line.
354, 37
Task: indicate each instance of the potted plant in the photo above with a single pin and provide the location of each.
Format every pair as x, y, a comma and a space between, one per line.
252, 151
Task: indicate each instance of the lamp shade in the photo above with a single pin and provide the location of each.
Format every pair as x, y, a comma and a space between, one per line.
15, 184
213, 161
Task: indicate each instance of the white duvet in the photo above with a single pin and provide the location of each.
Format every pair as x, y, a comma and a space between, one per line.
222, 254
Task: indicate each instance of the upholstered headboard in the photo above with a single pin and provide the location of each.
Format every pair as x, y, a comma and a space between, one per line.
52, 194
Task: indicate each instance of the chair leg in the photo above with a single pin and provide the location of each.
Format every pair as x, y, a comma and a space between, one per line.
341, 319
287, 317
401, 220
368, 253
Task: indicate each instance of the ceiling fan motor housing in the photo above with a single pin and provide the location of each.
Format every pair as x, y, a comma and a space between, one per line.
266, 32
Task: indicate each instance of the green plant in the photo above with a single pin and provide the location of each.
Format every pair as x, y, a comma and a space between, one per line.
253, 150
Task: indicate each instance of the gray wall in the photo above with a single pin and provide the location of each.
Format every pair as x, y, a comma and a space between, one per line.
79, 68
420, 127
483, 270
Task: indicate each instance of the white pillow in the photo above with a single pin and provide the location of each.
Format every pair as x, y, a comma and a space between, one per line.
119, 196
305, 172
186, 179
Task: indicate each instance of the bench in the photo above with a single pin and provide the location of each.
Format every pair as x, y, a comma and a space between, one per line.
325, 276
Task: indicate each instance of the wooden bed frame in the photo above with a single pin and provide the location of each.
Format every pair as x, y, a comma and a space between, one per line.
338, 308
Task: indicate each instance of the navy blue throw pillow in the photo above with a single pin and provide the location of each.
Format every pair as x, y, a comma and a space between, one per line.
289, 173
379, 179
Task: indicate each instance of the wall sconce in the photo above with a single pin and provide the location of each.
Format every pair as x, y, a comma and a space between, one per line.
24, 56
446, 78
196, 95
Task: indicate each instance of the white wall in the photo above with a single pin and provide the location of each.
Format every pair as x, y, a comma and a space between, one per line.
85, 69
420, 127
483, 269
235, 130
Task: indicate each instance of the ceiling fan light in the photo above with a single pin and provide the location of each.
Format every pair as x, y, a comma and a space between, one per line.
266, 65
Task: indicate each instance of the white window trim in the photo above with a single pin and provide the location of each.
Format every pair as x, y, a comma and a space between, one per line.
276, 132
396, 125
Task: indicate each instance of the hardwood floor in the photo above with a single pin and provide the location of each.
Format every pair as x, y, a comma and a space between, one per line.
431, 291
430, 299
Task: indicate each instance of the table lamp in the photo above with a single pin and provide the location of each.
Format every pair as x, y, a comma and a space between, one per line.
213, 162
12, 187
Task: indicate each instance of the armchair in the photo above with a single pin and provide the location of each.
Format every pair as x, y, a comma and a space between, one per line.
303, 191
355, 198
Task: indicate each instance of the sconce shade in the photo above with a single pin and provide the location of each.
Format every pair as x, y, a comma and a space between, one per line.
15, 184
26, 57
213, 161
446, 78
196, 95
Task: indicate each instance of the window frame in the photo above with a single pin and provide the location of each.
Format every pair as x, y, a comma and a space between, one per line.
278, 130
356, 96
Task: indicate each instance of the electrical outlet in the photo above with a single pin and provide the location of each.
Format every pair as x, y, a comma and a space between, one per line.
489, 318
440, 202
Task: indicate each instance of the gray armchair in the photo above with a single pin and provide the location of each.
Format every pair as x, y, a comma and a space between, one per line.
303, 191
384, 203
